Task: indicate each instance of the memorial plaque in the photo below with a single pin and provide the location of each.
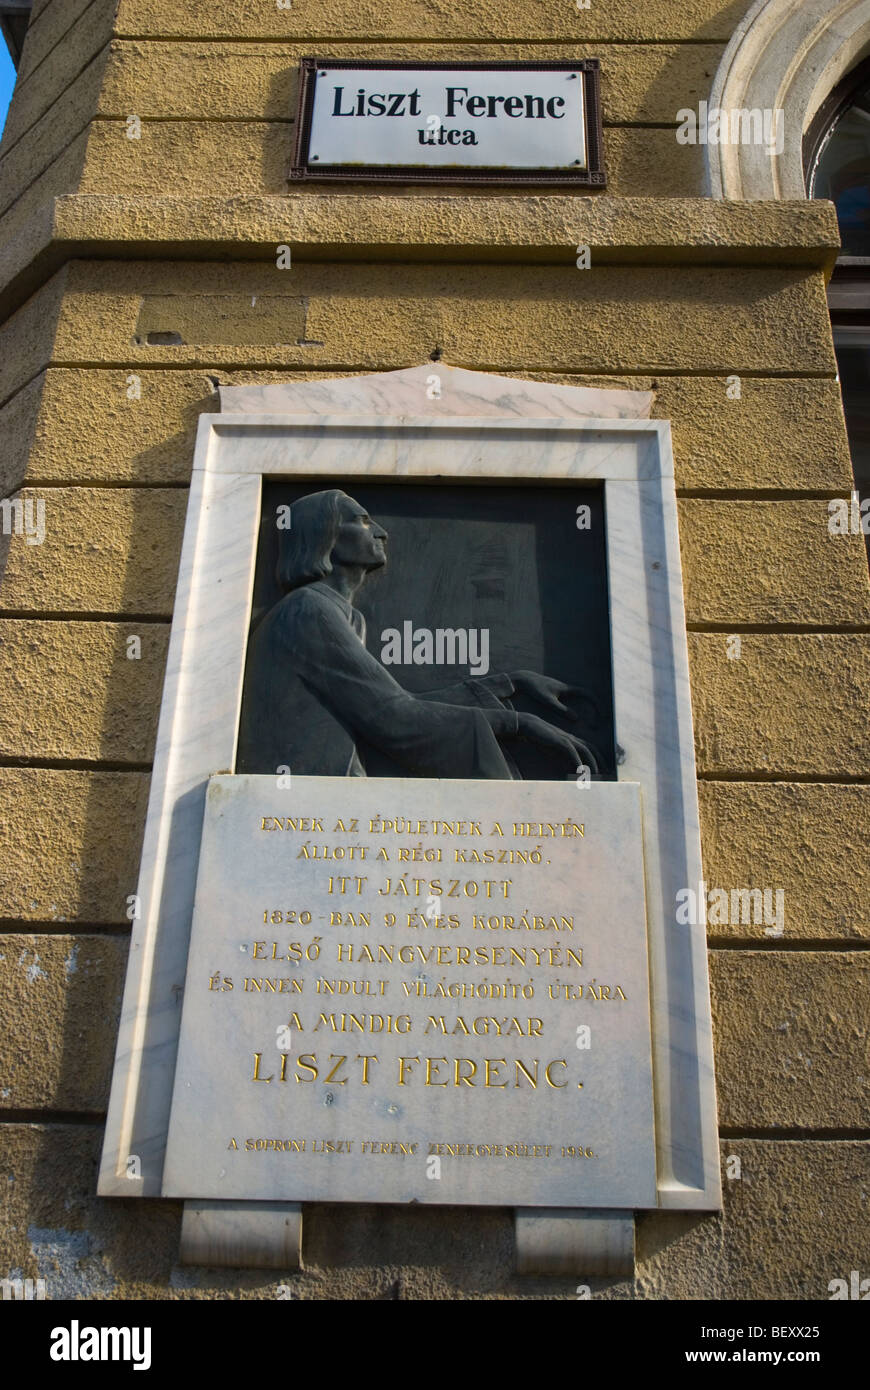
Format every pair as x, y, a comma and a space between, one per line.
409, 990
423, 802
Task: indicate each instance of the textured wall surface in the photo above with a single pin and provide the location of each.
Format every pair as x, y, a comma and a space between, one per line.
147, 238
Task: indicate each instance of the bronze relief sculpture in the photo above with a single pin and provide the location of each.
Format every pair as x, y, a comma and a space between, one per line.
322, 696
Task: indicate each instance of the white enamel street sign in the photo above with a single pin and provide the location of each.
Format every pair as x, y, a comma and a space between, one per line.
467, 118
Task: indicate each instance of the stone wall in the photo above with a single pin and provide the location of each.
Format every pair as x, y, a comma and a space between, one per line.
107, 241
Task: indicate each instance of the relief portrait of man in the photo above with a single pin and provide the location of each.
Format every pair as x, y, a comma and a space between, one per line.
320, 697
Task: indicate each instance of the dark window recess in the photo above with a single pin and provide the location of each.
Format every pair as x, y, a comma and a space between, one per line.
836, 153
853, 362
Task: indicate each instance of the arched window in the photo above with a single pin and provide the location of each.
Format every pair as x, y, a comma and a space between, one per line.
809, 60
836, 153
837, 160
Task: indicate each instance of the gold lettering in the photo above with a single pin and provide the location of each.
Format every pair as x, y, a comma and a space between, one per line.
429, 1062
332, 1057
521, 1067
403, 1063
361, 1057
257, 1076
556, 1084
488, 1063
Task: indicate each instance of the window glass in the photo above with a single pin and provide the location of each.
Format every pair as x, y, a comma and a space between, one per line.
841, 168
853, 362
837, 166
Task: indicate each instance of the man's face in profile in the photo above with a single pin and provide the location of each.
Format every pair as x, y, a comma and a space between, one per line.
360, 540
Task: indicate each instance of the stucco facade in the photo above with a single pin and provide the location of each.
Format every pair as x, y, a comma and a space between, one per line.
107, 241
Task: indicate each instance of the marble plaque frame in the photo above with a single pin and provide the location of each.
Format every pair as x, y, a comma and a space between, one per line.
304, 430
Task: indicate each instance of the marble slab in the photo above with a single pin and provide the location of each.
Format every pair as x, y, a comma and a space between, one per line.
513, 430
458, 1011
439, 390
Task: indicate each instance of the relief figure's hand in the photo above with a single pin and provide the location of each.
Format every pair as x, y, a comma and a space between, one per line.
538, 731
546, 690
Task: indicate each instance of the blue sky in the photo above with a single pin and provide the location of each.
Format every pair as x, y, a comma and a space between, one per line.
7, 82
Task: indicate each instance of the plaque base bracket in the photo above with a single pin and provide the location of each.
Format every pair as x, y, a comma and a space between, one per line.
556, 1240
242, 1235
